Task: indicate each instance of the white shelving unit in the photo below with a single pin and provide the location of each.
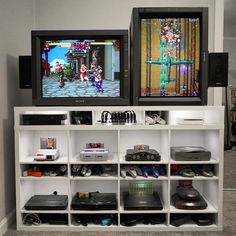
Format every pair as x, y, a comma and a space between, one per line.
118, 138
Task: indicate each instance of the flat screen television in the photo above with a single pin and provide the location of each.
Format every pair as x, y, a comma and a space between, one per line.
86, 67
169, 50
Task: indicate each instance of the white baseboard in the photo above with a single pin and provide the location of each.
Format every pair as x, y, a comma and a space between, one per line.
7, 221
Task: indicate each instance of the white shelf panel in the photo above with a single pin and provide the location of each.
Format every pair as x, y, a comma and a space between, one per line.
193, 178
94, 227
210, 209
141, 211
94, 178
43, 127
43, 178
197, 127
129, 178
30, 160
45, 211
211, 161
94, 212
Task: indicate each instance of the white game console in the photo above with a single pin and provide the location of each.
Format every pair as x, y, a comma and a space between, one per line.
46, 155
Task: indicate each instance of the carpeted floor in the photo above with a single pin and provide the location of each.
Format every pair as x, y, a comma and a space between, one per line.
229, 213
230, 169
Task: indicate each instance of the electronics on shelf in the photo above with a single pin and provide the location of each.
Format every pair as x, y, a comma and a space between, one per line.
142, 153
94, 152
47, 202
94, 201
189, 121
187, 197
46, 155
190, 153
44, 119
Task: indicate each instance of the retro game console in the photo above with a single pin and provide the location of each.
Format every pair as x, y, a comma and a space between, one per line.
190, 153
94, 152
46, 155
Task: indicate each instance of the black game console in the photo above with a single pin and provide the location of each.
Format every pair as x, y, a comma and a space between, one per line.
190, 153
142, 153
197, 204
95, 201
141, 201
44, 119
47, 202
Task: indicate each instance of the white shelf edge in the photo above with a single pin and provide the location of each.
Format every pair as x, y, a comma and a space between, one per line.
43, 178
193, 178
81, 178
94, 212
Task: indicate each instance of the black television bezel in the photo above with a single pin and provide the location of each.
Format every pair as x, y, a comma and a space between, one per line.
38, 36
135, 54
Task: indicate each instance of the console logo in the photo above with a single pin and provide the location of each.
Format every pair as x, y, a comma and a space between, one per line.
80, 101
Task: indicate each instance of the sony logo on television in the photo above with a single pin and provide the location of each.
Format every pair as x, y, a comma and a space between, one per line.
80, 101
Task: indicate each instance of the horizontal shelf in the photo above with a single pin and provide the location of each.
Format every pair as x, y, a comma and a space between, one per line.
129, 178
44, 178
30, 160
93, 211
197, 127
42, 127
211, 161
210, 209
141, 211
45, 211
193, 178
94, 178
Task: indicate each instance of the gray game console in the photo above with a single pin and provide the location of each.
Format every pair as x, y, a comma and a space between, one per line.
190, 153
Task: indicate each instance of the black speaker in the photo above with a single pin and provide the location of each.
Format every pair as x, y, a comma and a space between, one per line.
25, 75
218, 69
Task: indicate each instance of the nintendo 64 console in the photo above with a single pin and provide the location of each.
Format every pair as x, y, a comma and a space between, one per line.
142, 153
190, 153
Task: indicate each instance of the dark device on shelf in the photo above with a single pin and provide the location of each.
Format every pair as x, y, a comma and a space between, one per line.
142, 201
142, 153
190, 153
198, 204
202, 219
95, 201
44, 119
25, 72
74, 68
179, 219
47, 202
160, 52
81, 118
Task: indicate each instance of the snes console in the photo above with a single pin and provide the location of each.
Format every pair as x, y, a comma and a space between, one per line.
46, 155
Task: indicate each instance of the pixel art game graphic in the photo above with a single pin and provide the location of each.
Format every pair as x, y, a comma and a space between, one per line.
80, 68
170, 57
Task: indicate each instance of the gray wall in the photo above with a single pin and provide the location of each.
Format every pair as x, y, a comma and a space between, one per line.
16, 22
18, 18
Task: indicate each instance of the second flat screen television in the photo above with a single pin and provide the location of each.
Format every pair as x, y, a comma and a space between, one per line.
168, 56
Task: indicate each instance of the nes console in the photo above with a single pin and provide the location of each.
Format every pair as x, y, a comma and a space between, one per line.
190, 153
46, 155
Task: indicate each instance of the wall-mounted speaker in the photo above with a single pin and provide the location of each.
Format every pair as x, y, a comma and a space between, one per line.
25, 74
218, 69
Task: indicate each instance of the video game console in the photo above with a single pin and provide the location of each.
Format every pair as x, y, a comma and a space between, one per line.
190, 153
46, 155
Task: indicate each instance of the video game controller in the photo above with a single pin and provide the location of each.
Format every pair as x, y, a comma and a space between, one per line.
125, 170
150, 170
161, 170
137, 169
185, 190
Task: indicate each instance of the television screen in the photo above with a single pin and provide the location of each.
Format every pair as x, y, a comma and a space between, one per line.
170, 57
80, 68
